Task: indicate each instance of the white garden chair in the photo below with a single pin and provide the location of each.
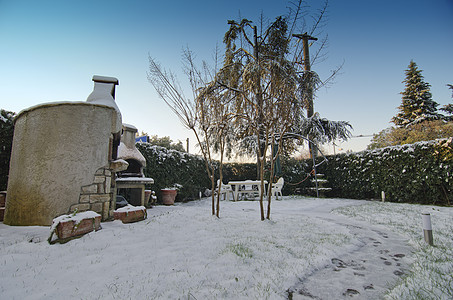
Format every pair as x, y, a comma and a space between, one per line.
225, 189
277, 188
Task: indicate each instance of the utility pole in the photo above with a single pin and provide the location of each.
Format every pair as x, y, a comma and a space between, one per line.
307, 77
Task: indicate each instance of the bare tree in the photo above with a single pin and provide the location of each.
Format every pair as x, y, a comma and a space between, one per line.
207, 113
191, 114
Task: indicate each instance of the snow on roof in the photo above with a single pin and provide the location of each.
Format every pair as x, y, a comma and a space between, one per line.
56, 103
130, 153
102, 93
105, 79
129, 126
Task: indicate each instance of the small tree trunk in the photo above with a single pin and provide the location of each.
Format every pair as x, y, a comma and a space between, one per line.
209, 168
262, 166
262, 189
213, 194
221, 181
271, 180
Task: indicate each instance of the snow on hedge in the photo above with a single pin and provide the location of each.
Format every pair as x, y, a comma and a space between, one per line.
415, 173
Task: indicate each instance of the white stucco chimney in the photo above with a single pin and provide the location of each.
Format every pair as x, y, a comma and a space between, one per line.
104, 93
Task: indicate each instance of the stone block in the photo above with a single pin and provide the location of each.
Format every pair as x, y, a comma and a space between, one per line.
107, 173
90, 189
99, 179
108, 184
130, 214
84, 199
97, 207
80, 207
106, 211
99, 198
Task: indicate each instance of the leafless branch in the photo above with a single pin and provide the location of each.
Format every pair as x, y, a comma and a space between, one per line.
169, 90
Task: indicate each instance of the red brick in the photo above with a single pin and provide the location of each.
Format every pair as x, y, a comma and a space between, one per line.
69, 229
130, 216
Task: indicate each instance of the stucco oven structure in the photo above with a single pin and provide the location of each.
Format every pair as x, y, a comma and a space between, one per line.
132, 181
64, 158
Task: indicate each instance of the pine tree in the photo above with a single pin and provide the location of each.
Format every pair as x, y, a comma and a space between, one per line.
417, 104
448, 108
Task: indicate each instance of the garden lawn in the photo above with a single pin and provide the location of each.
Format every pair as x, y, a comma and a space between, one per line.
182, 252
431, 275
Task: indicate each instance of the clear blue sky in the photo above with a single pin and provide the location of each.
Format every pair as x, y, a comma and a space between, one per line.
50, 50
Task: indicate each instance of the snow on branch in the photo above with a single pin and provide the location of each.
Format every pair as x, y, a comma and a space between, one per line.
323, 130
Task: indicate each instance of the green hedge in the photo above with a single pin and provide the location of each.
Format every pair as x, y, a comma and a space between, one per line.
6, 142
170, 167
415, 173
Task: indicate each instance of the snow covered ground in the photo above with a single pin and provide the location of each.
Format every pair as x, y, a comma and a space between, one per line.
431, 274
364, 250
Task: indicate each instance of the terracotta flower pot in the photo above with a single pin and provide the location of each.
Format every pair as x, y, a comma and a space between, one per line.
147, 197
168, 196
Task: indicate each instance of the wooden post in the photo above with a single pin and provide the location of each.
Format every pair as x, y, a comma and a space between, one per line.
310, 109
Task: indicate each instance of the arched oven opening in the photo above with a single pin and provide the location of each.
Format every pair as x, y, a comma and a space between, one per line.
135, 169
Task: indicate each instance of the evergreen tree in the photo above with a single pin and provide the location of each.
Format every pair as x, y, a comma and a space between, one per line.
448, 108
425, 131
417, 104
166, 142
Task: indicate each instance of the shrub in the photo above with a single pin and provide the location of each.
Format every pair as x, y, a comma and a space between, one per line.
6, 142
425, 131
414, 173
170, 167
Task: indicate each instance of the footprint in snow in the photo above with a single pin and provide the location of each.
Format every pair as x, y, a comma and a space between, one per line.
351, 292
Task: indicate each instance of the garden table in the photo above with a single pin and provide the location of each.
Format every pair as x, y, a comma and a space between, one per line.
245, 187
